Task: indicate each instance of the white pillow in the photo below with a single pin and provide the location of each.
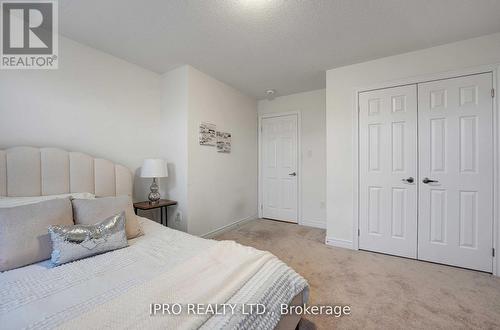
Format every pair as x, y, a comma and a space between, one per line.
18, 201
24, 238
89, 212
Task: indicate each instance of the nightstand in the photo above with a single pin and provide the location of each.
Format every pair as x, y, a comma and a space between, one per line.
162, 204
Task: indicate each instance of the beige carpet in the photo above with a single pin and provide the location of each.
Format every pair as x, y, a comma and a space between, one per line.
384, 292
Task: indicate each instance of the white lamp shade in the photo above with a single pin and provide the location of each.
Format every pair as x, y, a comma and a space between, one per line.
154, 168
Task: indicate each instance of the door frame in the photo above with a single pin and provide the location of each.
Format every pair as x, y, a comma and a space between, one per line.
494, 69
299, 159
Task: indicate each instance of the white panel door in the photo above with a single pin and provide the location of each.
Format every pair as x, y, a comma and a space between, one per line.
279, 168
456, 151
388, 171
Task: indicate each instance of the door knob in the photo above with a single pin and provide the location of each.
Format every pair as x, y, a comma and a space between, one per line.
427, 180
409, 180
293, 174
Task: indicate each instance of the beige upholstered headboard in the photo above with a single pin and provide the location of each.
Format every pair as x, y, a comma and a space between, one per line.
28, 171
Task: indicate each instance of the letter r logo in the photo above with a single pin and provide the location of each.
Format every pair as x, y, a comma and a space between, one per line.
27, 27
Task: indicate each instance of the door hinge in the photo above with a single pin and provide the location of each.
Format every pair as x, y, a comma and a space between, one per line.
359, 232
493, 252
261, 207
492, 92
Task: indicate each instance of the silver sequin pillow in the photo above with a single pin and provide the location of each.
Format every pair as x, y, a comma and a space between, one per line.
75, 242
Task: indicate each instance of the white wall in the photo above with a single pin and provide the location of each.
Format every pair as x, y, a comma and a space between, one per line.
340, 97
94, 103
173, 143
311, 106
109, 108
222, 188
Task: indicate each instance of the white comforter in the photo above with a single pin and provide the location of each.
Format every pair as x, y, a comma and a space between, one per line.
111, 290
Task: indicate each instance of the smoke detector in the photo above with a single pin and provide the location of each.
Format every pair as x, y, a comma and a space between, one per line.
270, 94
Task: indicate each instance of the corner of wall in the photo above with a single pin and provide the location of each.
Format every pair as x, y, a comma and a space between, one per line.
341, 243
173, 142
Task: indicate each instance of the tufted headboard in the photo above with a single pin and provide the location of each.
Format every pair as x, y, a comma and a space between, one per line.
28, 171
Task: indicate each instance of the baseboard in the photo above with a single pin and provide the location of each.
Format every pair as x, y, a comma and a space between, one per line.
341, 243
313, 223
225, 228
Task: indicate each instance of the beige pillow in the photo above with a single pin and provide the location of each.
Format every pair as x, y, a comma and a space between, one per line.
24, 238
91, 211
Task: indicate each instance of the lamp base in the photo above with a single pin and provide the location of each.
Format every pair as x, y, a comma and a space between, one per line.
154, 195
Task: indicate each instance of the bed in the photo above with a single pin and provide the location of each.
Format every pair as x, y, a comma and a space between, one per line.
131, 287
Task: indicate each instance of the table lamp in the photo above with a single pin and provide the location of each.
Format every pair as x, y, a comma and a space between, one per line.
154, 168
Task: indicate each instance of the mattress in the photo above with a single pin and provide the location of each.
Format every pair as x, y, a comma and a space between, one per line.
39, 296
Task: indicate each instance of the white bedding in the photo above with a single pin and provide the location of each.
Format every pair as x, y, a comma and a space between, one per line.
38, 296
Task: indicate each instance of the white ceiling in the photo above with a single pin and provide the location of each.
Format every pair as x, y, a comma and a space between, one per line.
255, 45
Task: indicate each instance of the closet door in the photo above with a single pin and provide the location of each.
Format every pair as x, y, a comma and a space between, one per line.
388, 171
456, 171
